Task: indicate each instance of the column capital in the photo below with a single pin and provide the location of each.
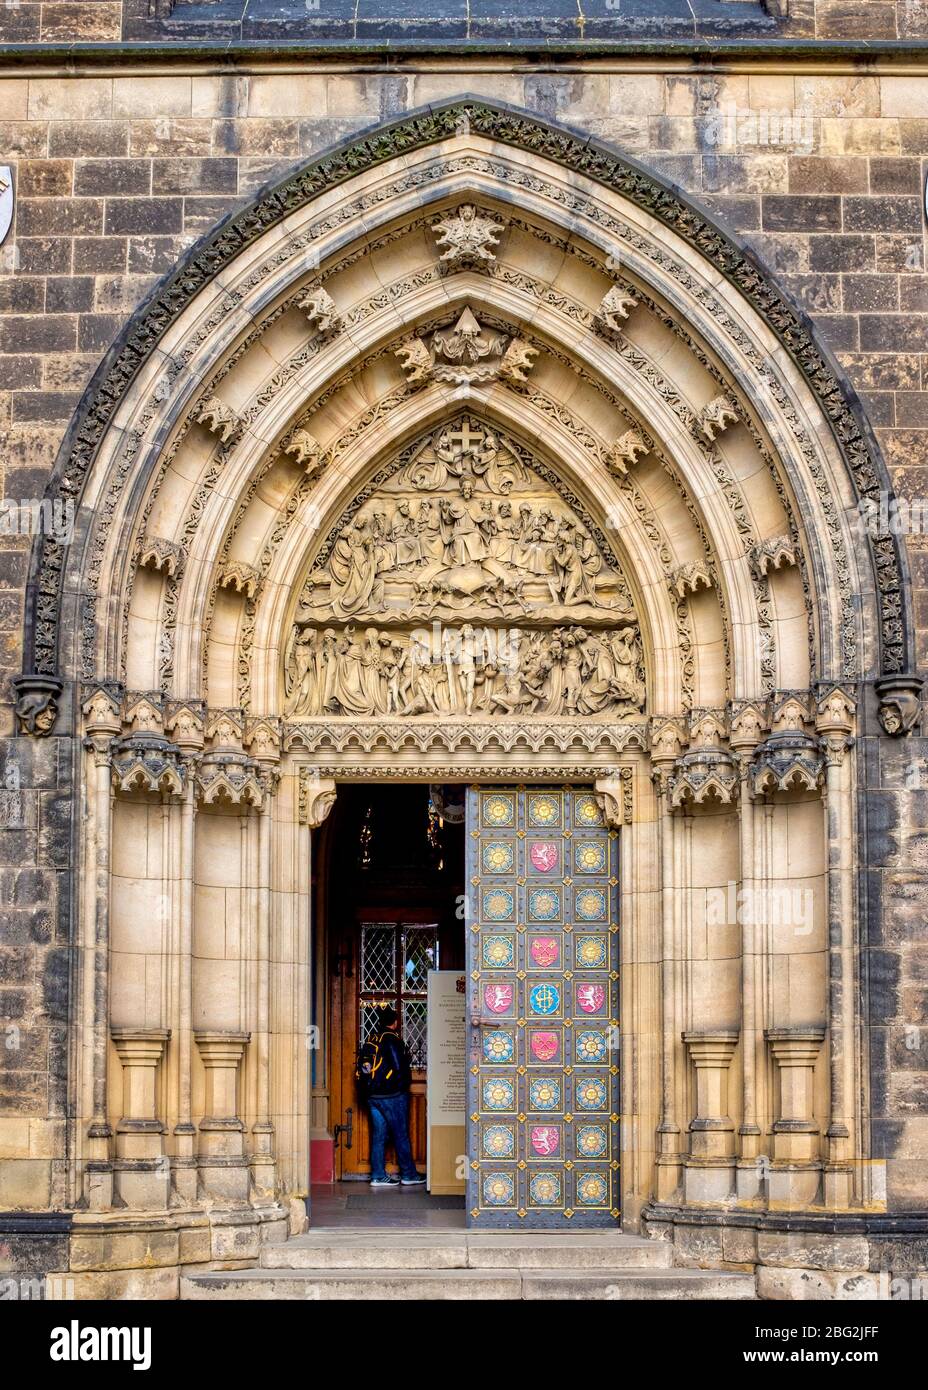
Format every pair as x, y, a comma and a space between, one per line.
614, 794
317, 797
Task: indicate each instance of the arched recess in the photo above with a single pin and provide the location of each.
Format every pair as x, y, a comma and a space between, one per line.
468, 267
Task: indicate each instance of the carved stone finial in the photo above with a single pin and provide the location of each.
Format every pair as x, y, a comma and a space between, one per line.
615, 308
467, 238
36, 703
321, 311
900, 703
716, 417
625, 452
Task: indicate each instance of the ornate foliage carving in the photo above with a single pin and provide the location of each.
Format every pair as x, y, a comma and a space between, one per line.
615, 308
625, 452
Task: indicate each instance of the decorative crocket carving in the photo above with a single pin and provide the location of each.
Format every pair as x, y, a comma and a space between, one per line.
518, 360
306, 449
615, 308
316, 798
237, 575
161, 555
625, 452
778, 552
321, 311
716, 417
415, 360
689, 579
467, 237
220, 419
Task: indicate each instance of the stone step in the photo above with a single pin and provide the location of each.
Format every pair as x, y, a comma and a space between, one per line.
331, 1285
367, 1249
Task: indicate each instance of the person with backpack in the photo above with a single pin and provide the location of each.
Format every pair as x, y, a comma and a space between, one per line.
384, 1074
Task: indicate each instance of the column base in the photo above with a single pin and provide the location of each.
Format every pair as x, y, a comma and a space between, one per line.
793, 1185
708, 1180
669, 1177
142, 1184
839, 1187
225, 1179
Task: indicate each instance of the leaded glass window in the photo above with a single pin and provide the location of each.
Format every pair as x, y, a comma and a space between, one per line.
396, 958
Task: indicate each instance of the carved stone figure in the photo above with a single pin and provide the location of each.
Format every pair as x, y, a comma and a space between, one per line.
466, 670
467, 237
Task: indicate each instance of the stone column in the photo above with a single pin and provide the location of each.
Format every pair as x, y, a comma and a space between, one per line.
103, 722
795, 1171
142, 1174
186, 725
709, 1173
315, 799
222, 1165
835, 722
746, 728
262, 742
666, 742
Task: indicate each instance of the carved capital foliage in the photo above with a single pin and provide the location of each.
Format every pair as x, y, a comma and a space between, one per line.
747, 723
465, 354
144, 762
185, 721
101, 706
262, 739
900, 700
668, 739
35, 700
316, 798
835, 709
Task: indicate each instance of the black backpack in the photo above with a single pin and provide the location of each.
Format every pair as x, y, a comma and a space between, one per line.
367, 1060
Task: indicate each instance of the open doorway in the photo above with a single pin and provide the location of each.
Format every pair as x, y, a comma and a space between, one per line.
390, 882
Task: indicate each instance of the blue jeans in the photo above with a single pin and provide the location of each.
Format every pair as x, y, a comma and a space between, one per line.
390, 1117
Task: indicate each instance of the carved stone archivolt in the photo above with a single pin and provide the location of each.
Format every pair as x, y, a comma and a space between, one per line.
528, 614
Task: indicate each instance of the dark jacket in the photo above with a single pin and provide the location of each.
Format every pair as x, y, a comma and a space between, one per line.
391, 1070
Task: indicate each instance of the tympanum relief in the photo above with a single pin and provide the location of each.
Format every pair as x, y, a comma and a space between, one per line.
465, 585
